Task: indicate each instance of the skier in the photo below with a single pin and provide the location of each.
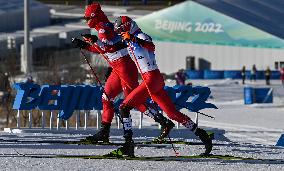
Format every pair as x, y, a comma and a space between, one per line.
120, 79
141, 50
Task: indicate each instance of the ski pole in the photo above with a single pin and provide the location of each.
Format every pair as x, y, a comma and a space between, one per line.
173, 147
205, 114
106, 58
115, 70
209, 116
141, 75
98, 80
92, 69
137, 64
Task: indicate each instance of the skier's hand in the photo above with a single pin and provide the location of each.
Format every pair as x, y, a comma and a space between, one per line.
126, 36
89, 38
79, 43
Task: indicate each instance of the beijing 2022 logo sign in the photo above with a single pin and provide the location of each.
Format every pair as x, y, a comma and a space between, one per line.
67, 98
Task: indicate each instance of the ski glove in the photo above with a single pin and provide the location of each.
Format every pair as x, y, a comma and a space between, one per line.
79, 43
90, 38
126, 36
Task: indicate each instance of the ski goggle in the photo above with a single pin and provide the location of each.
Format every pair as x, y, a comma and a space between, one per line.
122, 27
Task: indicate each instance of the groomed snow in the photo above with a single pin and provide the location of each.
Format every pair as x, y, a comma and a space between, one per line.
250, 131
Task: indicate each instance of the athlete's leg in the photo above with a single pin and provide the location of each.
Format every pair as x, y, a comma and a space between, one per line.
160, 96
137, 99
112, 89
129, 81
155, 84
165, 103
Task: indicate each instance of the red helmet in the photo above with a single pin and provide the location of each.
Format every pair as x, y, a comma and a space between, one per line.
124, 23
94, 15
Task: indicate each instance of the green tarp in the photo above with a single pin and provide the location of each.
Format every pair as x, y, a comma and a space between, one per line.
190, 22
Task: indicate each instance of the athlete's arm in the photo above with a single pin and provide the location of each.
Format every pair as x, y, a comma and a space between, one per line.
94, 48
142, 39
145, 43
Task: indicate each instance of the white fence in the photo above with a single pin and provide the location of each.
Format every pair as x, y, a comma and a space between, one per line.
53, 115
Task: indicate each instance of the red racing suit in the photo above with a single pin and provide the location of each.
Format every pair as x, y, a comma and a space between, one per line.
110, 45
142, 52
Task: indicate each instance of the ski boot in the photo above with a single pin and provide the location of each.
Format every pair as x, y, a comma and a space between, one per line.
166, 126
206, 140
101, 136
127, 150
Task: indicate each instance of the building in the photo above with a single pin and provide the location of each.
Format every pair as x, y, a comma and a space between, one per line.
12, 15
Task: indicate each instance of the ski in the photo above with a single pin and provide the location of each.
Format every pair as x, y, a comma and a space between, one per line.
165, 141
86, 142
153, 158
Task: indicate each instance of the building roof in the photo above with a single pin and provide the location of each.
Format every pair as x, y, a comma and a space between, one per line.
263, 14
191, 22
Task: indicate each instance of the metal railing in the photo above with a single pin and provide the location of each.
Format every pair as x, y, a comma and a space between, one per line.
77, 121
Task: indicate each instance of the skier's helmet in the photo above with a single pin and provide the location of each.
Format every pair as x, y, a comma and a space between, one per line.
124, 23
94, 15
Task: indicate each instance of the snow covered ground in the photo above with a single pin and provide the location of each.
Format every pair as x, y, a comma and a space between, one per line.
249, 131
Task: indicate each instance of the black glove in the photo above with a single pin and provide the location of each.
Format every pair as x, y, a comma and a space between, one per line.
79, 43
90, 37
